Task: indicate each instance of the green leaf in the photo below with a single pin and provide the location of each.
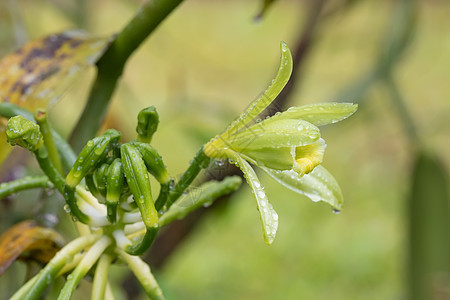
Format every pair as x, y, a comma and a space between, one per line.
269, 217
318, 114
318, 185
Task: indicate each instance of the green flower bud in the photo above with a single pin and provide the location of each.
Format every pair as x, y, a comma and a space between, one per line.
100, 179
91, 155
153, 161
24, 133
114, 186
139, 185
148, 120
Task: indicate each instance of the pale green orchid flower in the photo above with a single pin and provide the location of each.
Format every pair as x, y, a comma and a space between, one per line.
288, 146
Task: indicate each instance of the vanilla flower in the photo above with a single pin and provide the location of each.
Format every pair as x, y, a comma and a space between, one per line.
288, 146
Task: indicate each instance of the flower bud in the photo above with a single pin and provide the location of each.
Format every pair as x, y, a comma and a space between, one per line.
24, 133
91, 155
148, 120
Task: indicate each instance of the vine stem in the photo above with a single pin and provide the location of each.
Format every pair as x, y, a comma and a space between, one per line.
200, 161
143, 274
38, 283
111, 65
42, 121
83, 267
25, 183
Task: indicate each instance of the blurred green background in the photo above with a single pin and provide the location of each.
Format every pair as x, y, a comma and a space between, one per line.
204, 65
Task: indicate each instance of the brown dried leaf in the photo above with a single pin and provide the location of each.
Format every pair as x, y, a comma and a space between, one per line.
36, 75
28, 241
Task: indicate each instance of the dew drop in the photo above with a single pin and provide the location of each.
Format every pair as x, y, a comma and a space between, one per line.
336, 211
67, 208
207, 204
261, 194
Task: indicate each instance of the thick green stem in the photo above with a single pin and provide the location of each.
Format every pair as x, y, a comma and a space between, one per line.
25, 183
83, 267
49, 169
111, 65
199, 162
46, 275
101, 277
42, 121
143, 274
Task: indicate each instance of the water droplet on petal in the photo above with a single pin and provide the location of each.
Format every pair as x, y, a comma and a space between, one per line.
274, 216
336, 211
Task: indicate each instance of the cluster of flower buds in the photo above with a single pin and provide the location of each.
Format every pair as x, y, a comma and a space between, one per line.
108, 174
114, 171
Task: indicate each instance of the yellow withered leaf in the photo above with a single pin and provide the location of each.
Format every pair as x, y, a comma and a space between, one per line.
36, 75
28, 241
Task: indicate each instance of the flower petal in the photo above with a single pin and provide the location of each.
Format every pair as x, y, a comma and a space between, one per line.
277, 159
269, 217
319, 185
318, 114
257, 106
282, 133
